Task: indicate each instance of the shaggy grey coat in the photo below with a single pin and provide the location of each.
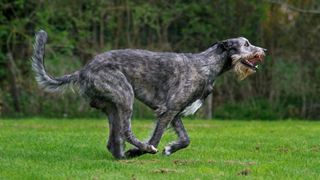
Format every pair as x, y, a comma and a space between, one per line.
172, 84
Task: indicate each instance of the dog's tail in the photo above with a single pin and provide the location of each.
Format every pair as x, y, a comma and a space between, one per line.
45, 81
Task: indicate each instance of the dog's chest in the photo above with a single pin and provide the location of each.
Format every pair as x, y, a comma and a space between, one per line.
191, 109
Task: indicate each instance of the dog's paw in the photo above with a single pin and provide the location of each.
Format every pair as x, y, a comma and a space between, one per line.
131, 153
167, 151
151, 149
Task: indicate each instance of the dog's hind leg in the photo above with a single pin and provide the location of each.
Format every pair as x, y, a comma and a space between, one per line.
125, 113
183, 138
120, 92
115, 142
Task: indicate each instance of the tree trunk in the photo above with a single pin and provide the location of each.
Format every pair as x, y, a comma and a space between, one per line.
209, 107
14, 89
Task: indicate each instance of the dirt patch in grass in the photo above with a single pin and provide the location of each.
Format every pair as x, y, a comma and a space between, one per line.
164, 171
133, 177
231, 162
258, 147
244, 172
184, 162
283, 149
212, 161
315, 148
135, 161
190, 161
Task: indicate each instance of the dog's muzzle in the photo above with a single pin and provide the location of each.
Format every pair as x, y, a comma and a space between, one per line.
253, 61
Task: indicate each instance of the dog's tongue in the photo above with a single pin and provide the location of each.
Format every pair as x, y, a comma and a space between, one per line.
257, 59
254, 61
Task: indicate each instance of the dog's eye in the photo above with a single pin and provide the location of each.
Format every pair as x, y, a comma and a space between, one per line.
246, 44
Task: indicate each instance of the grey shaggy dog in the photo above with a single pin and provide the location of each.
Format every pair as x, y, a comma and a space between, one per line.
171, 84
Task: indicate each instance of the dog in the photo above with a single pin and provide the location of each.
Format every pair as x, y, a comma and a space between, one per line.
171, 84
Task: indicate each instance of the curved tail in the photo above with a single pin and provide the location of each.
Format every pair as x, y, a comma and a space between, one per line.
47, 82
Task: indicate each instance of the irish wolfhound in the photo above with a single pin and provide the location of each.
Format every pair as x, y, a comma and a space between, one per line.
172, 84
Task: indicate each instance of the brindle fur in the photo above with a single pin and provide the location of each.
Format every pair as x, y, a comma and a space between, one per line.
166, 82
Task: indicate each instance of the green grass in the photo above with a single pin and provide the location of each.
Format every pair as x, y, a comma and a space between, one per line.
75, 149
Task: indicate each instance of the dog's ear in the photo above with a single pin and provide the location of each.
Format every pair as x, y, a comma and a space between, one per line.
226, 44
221, 46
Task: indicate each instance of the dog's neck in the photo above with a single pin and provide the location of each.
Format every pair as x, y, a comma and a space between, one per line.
214, 61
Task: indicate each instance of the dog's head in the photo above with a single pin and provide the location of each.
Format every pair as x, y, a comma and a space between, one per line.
243, 57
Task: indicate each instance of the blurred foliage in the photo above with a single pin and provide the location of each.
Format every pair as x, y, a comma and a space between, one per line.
286, 86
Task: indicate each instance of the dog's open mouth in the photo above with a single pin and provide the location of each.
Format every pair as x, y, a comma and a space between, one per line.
253, 62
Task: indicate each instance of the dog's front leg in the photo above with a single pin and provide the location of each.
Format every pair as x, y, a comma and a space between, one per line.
183, 138
162, 123
161, 126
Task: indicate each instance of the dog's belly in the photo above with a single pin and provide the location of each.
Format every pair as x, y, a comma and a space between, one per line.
153, 97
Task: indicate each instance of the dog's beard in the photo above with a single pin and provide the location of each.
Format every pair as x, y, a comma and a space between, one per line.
242, 71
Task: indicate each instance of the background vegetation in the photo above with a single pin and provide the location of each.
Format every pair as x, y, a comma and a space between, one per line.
286, 86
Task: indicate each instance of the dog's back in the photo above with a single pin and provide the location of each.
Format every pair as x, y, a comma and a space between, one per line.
151, 74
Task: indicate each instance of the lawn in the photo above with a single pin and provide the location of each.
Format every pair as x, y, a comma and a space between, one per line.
75, 149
